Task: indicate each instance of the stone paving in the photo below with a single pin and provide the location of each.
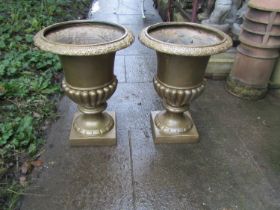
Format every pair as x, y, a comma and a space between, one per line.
236, 164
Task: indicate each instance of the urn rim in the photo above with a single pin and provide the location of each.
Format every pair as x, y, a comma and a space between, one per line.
185, 49
60, 48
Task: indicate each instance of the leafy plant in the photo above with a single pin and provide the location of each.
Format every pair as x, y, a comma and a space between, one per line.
29, 83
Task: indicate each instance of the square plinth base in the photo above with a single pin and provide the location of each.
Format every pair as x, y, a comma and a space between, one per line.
189, 137
108, 139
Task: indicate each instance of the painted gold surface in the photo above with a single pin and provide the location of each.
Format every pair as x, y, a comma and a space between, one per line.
203, 41
183, 51
105, 139
87, 52
189, 137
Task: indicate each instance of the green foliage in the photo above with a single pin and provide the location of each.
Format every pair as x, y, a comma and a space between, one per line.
17, 134
11, 192
29, 80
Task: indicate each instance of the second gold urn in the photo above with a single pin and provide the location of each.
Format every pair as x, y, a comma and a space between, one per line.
183, 50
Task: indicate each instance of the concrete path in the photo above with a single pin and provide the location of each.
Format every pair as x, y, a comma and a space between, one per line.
236, 165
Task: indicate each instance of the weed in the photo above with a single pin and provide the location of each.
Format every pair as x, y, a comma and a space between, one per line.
29, 82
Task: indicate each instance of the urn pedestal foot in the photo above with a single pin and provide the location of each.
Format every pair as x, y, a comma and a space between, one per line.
106, 139
188, 137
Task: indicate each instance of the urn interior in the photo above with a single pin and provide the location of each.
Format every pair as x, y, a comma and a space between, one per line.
84, 33
185, 35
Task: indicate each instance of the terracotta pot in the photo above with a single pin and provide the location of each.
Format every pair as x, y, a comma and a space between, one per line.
258, 51
271, 5
251, 72
260, 28
275, 77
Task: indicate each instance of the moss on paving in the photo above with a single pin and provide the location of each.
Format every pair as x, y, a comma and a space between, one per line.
243, 91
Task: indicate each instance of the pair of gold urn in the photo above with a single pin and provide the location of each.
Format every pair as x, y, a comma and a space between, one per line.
87, 51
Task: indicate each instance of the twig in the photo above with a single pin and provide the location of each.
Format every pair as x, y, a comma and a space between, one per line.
21, 193
39, 154
17, 161
13, 102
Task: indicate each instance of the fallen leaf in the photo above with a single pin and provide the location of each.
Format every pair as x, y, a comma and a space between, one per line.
37, 163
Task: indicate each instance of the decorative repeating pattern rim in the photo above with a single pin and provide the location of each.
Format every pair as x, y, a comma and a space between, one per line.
185, 50
82, 50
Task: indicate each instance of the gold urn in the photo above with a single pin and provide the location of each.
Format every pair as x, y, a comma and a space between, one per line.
87, 51
183, 50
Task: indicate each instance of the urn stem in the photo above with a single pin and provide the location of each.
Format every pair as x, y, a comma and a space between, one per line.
93, 121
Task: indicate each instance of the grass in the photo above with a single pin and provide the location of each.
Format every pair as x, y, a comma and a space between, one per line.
29, 85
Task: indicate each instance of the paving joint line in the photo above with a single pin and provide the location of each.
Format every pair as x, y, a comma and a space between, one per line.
138, 55
125, 77
132, 172
146, 82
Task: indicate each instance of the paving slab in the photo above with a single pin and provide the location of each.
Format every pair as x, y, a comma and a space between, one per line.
81, 177
113, 18
203, 176
128, 7
120, 68
140, 68
220, 172
133, 103
122, 7
137, 20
